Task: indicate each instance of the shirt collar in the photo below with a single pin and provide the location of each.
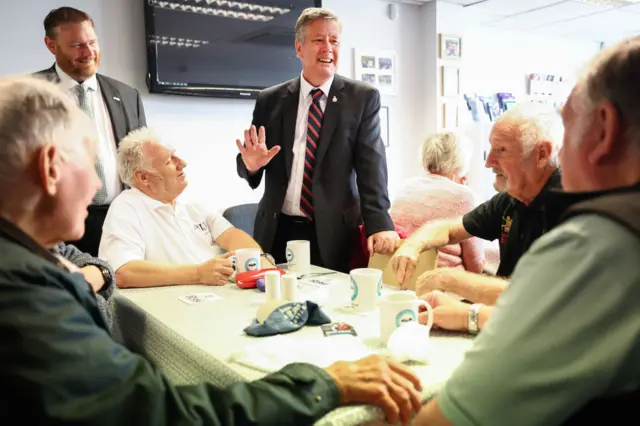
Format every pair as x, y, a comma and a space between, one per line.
68, 83
306, 87
154, 204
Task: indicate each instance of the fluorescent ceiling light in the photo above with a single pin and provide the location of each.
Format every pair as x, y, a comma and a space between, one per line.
225, 13
176, 41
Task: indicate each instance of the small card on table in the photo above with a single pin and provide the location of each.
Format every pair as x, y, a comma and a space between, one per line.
196, 298
336, 328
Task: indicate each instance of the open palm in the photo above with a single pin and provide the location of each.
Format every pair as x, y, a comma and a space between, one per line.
254, 152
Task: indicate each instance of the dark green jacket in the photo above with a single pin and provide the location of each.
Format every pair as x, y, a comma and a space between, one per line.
59, 365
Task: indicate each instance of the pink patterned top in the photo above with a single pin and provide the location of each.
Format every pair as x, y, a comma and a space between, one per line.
431, 197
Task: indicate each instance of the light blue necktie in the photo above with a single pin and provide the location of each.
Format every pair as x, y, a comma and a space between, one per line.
84, 101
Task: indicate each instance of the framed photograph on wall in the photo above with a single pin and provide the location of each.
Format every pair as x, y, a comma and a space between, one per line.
449, 115
384, 125
377, 68
450, 46
450, 81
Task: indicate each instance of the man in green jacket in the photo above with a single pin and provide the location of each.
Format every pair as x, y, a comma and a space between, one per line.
58, 363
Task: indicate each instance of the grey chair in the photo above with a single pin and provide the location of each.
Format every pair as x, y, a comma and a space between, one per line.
242, 216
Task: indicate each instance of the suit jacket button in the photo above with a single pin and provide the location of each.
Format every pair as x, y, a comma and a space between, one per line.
275, 215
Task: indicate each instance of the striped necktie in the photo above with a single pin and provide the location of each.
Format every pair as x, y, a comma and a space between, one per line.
314, 126
85, 105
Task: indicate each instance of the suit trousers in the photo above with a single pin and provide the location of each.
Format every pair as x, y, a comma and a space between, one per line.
295, 228
90, 241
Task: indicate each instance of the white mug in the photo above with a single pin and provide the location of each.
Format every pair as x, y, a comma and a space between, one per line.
298, 254
366, 288
398, 308
247, 259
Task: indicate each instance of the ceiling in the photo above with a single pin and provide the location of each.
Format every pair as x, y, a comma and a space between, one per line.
593, 20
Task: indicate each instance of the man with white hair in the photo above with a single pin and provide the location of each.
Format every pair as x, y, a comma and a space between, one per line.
58, 364
524, 146
151, 237
562, 346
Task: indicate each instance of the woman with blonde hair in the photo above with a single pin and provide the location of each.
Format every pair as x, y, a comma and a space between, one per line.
441, 194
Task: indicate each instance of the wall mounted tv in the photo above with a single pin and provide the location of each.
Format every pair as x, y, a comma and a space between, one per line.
221, 48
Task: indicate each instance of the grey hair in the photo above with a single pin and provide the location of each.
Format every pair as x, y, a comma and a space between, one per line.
130, 153
537, 123
614, 76
311, 14
35, 113
447, 153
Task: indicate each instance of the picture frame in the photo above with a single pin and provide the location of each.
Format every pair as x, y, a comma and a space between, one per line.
384, 125
449, 115
450, 46
450, 81
377, 68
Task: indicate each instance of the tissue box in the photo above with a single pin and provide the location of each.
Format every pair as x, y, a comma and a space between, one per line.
427, 261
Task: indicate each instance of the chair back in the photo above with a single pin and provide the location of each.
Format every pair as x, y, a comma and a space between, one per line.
242, 216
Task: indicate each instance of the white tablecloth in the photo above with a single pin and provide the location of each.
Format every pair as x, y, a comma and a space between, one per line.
195, 343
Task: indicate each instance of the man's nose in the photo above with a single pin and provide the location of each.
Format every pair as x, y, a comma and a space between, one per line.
490, 161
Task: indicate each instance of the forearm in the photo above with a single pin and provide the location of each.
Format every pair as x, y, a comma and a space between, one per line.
477, 288
144, 273
432, 235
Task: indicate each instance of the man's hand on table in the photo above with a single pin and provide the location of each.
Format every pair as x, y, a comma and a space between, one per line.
443, 279
216, 271
448, 313
384, 383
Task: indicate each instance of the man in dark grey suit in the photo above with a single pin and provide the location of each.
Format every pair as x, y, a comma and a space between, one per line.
116, 108
333, 171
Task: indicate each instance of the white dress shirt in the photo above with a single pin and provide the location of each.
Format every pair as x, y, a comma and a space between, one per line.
291, 204
107, 150
138, 227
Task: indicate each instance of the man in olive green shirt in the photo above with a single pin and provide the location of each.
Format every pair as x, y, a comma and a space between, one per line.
563, 337
58, 363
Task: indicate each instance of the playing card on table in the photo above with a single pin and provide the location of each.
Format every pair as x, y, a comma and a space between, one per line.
194, 299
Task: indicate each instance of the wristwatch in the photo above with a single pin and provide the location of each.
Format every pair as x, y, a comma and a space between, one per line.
472, 323
106, 276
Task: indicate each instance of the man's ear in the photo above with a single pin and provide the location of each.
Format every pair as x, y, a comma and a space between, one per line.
543, 153
141, 177
51, 44
49, 168
607, 124
298, 46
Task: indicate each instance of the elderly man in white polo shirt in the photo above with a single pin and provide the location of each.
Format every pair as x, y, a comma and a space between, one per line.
151, 237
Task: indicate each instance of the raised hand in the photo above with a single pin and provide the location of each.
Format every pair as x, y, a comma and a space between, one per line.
254, 152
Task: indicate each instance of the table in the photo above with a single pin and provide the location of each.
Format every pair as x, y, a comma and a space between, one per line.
193, 343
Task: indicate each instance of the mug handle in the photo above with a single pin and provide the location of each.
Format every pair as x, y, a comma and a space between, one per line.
429, 312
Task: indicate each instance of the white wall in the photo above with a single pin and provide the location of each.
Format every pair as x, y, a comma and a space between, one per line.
496, 60
204, 130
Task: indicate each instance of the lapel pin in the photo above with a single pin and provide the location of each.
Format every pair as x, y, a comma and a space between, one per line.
115, 98
335, 99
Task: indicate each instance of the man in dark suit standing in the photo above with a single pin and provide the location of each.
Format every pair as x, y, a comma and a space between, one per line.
115, 108
332, 174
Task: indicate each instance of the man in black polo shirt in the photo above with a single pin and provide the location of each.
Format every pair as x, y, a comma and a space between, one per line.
523, 154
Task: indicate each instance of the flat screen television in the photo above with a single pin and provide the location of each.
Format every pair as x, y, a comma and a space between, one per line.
221, 48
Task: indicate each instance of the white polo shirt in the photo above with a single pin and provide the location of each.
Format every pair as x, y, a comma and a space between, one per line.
138, 227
